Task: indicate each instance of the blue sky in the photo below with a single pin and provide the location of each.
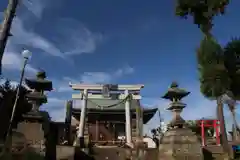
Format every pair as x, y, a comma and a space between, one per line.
125, 42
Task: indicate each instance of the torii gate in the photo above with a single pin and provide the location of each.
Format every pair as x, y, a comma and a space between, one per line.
209, 123
100, 91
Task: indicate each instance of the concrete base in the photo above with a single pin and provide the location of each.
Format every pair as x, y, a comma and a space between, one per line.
81, 142
34, 135
180, 144
215, 152
65, 152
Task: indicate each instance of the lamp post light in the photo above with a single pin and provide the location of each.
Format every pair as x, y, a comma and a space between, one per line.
26, 56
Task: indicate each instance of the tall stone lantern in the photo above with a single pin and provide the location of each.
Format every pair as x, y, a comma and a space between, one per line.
36, 123
37, 97
178, 142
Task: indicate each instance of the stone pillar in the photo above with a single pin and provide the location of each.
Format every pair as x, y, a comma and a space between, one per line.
83, 117
203, 133
128, 120
97, 131
216, 128
139, 137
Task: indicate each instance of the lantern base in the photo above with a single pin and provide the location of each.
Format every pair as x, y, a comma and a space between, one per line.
180, 143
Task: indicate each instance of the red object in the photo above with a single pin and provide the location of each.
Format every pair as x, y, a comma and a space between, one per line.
209, 123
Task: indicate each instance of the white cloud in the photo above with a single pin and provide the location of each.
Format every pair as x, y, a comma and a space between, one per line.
56, 101
123, 71
64, 88
105, 77
22, 36
71, 38
36, 7
56, 108
74, 38
57, 114
14, 61
92, 77
96, 77
63, 84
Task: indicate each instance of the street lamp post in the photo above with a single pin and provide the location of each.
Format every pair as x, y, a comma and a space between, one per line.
26, 55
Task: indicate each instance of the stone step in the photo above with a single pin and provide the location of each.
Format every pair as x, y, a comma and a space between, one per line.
65, 152
214, 149
117, 153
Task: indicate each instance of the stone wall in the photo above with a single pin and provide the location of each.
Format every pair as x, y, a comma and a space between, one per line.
111, 153
116, 153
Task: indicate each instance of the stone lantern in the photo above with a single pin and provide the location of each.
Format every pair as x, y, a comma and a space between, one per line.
36, 124
38, 85
178, 142
68, 120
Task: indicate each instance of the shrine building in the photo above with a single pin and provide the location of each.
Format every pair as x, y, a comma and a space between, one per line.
108, 124
108, 112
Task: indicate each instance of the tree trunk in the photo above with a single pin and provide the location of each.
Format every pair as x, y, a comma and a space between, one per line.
6, 26
220, 116
235, 132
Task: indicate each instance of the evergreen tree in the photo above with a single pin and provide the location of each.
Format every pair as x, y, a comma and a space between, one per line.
7, 99
216, 64
7, 85
202, 12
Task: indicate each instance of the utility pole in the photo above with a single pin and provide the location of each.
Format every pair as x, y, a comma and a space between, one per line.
6, 26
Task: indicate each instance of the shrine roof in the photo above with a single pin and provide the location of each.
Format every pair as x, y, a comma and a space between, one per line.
109, 104
118, 111
113, 115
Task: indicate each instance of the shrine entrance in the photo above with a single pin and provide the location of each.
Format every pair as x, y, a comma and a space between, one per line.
207, 123
106, 109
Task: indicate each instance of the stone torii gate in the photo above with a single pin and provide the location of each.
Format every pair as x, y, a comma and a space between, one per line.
101, 91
